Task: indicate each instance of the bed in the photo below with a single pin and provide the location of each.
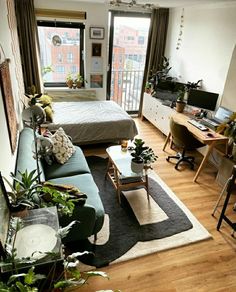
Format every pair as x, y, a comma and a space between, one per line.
89, 122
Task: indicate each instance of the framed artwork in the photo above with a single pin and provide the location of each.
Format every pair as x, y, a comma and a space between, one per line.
96, 33
96, 80
96, 50
5, 82
96, 64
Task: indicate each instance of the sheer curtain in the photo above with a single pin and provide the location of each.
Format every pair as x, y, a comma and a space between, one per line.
29, 44
156, 43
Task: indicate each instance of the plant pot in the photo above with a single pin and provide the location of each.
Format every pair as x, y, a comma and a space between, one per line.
180, 105
79, 84
137, 167
70, 83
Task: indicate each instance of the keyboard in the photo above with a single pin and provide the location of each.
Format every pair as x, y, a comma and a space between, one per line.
208, 121
197, 125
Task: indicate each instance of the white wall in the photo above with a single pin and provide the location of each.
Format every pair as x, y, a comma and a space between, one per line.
7, 159
97, 15
208, 40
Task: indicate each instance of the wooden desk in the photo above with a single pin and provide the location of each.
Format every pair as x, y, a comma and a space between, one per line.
210, 142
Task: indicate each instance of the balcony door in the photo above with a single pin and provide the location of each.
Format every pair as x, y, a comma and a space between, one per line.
127, 55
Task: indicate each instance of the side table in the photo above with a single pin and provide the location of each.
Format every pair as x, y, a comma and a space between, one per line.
120, 173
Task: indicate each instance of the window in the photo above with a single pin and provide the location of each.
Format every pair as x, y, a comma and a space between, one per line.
141, 40
61, 48
59, 58
70, 57
60, 69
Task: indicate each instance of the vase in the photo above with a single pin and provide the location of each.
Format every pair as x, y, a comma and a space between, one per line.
137, 167
180, 105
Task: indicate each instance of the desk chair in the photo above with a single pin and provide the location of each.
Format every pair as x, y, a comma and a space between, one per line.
183, 139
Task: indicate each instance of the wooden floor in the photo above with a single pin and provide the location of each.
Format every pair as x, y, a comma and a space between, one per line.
205, 266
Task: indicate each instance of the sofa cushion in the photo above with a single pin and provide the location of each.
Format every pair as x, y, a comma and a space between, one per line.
77, 164
62, 146
25, 158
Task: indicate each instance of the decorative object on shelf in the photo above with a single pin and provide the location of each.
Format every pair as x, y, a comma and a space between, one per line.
181, 26
96, 33
142, 156
133, 3
96, 49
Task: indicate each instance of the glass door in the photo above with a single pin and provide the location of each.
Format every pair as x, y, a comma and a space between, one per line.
127, 55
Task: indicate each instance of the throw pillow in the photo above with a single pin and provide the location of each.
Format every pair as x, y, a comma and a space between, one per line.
62, 146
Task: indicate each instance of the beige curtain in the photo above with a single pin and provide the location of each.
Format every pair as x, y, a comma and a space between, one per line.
29, 44
156, 44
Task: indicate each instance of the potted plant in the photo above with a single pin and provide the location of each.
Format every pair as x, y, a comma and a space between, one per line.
79, 80
142, 155
182, 95
69, 80
180, 103
148, 87
228, 129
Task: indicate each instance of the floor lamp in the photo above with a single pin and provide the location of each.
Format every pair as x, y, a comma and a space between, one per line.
34, 116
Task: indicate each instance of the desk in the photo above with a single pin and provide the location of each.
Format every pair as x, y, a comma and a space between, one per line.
210, 142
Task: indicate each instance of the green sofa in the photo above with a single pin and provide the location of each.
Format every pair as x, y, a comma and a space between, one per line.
74, 172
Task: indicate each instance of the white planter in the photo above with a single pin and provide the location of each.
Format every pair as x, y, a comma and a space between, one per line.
137, 167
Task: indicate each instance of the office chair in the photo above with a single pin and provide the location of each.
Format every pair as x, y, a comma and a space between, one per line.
183, 139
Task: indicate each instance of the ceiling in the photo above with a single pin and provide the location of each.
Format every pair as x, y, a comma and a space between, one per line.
170, 3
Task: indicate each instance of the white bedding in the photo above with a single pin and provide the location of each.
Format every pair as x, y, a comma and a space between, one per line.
93, 121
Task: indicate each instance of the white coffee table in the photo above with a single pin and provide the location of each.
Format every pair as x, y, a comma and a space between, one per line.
120, 173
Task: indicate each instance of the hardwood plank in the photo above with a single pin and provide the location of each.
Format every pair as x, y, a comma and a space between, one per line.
205, 266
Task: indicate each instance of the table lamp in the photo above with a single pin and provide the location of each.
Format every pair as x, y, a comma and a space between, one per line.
33, 117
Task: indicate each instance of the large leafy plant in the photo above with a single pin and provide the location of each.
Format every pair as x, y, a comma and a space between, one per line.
26, 192
141, 153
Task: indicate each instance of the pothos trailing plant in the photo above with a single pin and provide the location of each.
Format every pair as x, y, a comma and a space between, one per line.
33, 282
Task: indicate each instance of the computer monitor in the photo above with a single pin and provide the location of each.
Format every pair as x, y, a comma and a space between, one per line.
202, 99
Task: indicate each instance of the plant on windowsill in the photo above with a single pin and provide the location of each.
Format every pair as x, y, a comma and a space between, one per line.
69, 80
142, 155
79, 81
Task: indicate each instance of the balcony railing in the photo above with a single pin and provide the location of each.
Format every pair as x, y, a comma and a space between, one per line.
126, 88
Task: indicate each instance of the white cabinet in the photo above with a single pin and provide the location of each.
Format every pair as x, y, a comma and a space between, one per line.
157, 113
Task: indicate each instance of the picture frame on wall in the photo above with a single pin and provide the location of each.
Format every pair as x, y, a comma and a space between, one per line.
96, 33
96, 80
96, 64
96, 49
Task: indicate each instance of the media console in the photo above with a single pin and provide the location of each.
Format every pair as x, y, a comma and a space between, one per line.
157, 113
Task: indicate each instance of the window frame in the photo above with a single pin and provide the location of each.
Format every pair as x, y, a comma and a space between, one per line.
66, 24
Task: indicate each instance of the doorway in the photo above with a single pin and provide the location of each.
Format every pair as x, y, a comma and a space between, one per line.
127, 56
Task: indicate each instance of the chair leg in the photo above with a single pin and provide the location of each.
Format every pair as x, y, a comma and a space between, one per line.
182, 158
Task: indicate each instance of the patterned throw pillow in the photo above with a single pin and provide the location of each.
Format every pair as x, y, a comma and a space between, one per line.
62, 146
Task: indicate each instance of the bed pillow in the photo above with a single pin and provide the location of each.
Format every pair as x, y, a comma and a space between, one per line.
62, 146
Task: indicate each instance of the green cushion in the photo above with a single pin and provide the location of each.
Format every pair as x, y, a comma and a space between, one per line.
86, 184
25, 158
75, 165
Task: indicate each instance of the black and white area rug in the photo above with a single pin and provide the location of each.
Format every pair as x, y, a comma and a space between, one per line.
138, 227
